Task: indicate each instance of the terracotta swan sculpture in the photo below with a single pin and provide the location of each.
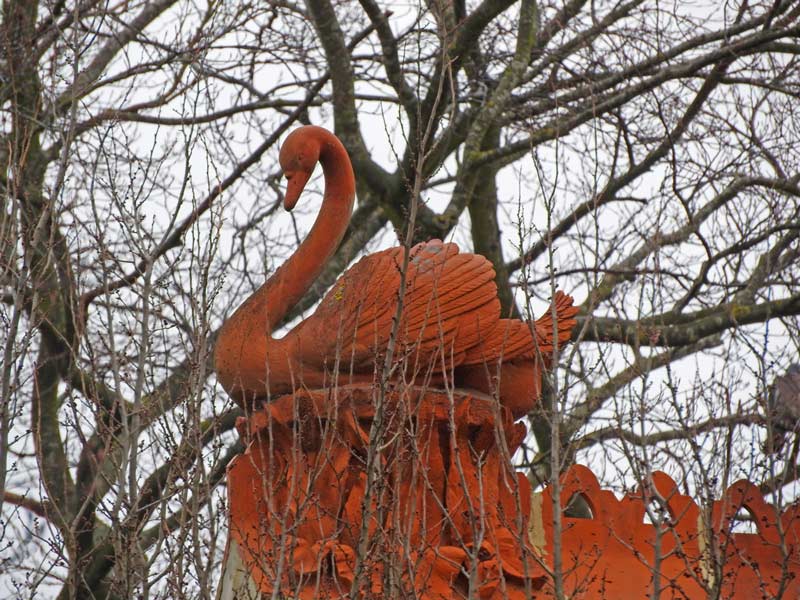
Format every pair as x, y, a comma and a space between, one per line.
450, 325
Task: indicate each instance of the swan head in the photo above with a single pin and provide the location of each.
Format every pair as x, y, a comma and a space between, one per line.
298, 157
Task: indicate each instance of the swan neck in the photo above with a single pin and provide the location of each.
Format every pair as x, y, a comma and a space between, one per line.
247, 359
291, 281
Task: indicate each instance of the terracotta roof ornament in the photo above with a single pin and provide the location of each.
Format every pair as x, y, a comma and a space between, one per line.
357, 487
335, 496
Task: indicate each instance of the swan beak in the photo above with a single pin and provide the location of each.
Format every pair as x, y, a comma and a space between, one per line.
296, 183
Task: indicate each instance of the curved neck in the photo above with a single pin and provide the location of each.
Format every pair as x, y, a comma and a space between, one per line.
292, 279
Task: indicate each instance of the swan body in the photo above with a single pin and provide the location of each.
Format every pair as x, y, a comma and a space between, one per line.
450, 330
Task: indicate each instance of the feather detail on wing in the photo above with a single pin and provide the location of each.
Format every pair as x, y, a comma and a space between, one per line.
565, 322
511, 338
448, 295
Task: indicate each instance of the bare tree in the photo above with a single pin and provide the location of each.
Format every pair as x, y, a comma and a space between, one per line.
641, 157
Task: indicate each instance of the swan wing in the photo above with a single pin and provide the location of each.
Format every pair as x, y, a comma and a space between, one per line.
513, 339
450, 297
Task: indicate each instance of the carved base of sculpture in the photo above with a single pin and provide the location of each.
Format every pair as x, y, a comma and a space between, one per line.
435, 511
432, 509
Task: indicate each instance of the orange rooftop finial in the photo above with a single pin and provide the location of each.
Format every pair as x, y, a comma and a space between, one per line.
355, 484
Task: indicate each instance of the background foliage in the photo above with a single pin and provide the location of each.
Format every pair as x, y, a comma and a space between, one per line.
642, 156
